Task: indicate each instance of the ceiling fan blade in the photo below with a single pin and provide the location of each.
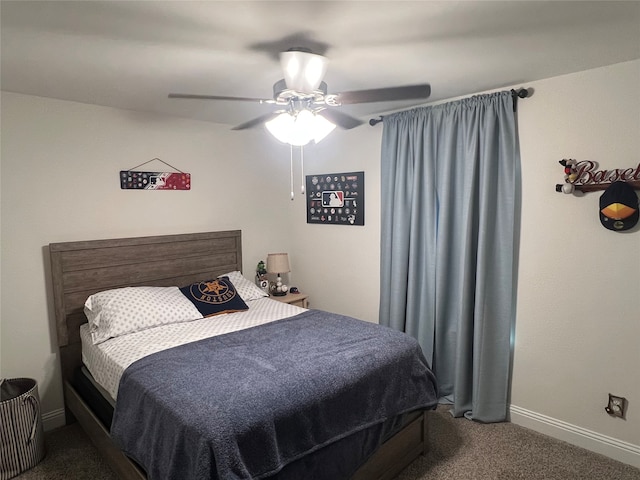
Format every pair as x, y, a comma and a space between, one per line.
389, 94
257, 121
218, 97
342, 120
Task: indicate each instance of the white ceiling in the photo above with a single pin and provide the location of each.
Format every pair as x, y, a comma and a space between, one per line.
131, 54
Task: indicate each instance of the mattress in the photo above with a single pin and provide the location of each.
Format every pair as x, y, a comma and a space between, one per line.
108, 360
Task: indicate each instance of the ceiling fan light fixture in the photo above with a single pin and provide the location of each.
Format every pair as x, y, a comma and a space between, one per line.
299, 128
303, 128
281, 126
322, 128
303, 71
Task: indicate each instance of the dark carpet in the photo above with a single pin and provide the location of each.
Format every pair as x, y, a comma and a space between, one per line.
460, 449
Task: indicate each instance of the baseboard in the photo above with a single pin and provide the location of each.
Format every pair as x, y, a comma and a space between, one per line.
596, 442
53, 419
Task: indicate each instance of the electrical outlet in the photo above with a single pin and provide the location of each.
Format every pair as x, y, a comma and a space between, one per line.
617, 406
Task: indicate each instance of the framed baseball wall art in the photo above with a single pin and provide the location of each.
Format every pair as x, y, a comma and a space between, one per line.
335, 198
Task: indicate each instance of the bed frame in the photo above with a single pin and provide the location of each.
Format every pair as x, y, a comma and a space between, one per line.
80, 269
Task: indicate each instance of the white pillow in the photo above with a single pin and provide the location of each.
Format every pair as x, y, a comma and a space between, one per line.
126, 310
246, 288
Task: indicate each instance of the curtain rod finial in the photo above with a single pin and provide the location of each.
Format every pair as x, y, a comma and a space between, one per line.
521, 92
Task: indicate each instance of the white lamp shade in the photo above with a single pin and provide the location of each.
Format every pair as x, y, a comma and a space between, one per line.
303, 71
299, 129
303, 128
278, 263
322, 128
281, 126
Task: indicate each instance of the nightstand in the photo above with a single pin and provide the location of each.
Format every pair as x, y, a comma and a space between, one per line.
297, 299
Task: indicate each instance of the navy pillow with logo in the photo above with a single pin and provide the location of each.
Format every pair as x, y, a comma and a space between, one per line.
214, 297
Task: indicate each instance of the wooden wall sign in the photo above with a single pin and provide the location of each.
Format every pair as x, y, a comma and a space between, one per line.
138, 180
584, 176
335, 198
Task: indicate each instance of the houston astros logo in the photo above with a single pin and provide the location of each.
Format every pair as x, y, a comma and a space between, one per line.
213, 291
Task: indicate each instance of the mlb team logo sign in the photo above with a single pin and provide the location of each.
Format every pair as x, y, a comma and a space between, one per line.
335, 198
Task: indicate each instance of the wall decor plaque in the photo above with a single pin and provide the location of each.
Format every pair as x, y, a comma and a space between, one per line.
584, 176
335, 198
137, 180
133, 179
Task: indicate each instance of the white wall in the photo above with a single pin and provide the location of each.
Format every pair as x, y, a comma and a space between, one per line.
339, 265
578, 317
60, 182
579, 285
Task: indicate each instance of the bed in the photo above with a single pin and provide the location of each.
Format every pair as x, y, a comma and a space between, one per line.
82, 269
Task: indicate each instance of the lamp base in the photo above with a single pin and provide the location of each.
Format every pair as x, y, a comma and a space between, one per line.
277, 289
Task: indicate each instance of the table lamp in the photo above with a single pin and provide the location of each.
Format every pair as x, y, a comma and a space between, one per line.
278, 263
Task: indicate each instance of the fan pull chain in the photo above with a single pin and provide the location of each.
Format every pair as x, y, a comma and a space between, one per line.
301, 170
291, 170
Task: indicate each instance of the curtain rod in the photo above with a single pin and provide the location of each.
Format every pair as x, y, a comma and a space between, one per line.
515, 94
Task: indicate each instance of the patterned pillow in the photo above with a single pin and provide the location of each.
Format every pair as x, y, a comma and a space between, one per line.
246, 289
131, 309
214, 297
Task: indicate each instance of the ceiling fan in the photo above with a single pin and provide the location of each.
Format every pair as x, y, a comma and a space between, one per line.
302, 92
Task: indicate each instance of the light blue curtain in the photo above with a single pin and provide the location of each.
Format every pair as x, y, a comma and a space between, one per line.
449, 241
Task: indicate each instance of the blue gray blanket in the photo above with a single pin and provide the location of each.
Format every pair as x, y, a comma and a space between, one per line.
246, 404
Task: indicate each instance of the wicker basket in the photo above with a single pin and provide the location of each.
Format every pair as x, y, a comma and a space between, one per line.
21, 433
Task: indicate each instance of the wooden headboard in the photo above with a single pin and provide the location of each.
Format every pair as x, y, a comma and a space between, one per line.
80, 269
